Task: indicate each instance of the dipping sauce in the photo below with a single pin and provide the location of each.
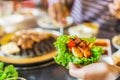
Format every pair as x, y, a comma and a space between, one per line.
101, 43
105, 52
104, 44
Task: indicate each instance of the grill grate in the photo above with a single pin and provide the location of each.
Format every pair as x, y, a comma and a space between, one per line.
44, 47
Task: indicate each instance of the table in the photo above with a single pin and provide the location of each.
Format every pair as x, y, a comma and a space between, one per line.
52, 72
56, 72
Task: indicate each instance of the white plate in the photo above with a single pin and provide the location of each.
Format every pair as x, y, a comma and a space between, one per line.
107, 48
114, 39
107, 59
47, 22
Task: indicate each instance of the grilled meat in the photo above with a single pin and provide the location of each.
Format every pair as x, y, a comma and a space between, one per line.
26, 38
80, 48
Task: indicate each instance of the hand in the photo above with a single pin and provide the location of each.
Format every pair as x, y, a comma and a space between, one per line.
95, 71
58, 11
115, 8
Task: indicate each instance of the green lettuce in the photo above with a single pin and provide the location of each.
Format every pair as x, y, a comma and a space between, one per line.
91, 40
63, 56
7, 72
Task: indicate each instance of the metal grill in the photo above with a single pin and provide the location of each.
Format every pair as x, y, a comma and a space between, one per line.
44, 47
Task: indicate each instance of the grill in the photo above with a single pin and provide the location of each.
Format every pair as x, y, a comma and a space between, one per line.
40, 55
41, 48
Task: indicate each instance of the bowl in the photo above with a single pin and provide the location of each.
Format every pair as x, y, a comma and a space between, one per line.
84, 30
116, 41
116, 57
49, 23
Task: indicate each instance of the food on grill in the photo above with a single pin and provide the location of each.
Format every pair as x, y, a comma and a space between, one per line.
28, 42
35, 46
43, 48
10, 48
6, 38
26, 38
81, 51
79, 48
2, 33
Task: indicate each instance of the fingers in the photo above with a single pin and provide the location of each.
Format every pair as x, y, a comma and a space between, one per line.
75, 71
95, 71
60, 17
117, 68
52, 12
56, 11
59, 11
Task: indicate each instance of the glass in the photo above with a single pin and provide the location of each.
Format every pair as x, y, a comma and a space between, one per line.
16, 78
61, 30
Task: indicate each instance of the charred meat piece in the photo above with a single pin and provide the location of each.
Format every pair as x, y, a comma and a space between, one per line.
77, 40
26, 38
82, 44
80, 48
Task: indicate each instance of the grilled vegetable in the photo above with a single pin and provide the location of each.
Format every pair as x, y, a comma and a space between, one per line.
76, 52
71, 44
10, 48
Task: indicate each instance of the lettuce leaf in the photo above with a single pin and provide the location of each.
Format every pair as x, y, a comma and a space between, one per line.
63, 56
1, 65
91, 40
7, 72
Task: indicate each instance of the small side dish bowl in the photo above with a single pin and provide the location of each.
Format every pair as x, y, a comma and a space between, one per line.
91, 29
116, 41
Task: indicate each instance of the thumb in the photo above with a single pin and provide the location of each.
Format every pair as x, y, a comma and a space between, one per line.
75, 71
